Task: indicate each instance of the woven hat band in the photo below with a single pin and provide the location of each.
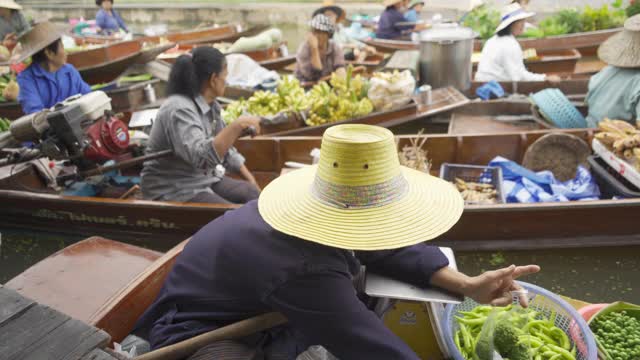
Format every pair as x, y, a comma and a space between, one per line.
359, 197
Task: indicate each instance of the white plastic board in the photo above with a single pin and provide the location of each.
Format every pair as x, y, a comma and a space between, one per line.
622, 167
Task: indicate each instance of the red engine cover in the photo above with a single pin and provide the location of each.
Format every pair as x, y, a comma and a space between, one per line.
107, 139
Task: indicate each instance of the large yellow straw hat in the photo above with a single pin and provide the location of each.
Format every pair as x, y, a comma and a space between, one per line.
359, 197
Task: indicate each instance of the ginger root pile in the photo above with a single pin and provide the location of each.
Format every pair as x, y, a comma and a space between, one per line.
622, 138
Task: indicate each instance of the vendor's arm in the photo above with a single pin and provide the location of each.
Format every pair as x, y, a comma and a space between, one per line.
308, 61
338, 57
325, 309
513, 64
80, 86
121, 23
29, 97
244, 171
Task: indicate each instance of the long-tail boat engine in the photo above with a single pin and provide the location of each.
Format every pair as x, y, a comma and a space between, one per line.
82, 130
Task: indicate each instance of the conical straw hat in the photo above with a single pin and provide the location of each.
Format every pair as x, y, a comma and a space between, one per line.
36, 39
388, 3
359, 197
10, 4
623, 49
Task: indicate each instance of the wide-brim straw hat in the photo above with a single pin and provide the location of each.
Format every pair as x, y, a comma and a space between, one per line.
623, 49
358, 197
388, 3
10, 4
512, 13
415, 2
36, 39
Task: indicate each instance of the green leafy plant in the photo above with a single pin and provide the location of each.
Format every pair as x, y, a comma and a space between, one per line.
633, 8
483, 20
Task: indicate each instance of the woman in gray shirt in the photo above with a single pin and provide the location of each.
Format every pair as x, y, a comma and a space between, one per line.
190, 124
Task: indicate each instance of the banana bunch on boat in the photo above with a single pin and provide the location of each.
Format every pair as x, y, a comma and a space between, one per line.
622, 138
4, 124
345, 99
476, 193
9, 88
289, 96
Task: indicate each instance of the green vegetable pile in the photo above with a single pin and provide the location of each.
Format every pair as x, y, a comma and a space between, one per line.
570, 21
484, 20
618, 334
4, 124
515, 333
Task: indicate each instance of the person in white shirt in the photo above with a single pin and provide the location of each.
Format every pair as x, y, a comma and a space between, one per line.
502, 58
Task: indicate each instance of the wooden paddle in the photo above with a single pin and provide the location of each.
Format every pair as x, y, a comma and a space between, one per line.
237, 330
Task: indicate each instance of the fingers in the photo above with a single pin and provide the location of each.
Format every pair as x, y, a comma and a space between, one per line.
525, 270
523, 299
503, 300
501, 273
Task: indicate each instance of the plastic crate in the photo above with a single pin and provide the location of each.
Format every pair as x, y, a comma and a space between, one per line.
477, 174
611, 183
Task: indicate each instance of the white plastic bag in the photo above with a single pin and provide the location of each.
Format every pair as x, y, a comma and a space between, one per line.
244, 71
388, 91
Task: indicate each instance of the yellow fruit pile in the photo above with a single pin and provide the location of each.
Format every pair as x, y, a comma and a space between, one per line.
622, 138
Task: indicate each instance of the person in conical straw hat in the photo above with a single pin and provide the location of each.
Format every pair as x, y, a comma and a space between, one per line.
502, 57
297, 248
393, 25
49, 79
12, 23
614, 92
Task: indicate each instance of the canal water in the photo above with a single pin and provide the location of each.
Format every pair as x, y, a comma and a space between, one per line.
589, 274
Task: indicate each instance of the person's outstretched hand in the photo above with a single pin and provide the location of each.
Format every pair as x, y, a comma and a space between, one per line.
494, 287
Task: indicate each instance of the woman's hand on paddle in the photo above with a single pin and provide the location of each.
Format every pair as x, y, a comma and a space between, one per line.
494, 287
247, 122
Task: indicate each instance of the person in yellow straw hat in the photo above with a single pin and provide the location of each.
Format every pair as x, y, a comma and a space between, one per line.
49, 79
12, 23
614, 92
502, 56
297, 248
392, 24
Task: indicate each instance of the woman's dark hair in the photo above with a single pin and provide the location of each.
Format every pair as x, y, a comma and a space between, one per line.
191, 71
99, 2
506, 31
41, 57
334, 9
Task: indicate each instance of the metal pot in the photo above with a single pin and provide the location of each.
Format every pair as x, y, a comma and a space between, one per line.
445, 56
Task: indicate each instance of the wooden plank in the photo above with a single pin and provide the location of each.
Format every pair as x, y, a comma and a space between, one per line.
70, 341
98, 354
27, 329
12, 304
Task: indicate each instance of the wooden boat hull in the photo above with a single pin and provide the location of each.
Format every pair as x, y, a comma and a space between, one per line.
495, 227
228, 32
150, 54
107, 63
573, 88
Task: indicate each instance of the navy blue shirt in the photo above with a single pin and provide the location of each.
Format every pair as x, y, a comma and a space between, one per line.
238, 266
41, 89
389, 25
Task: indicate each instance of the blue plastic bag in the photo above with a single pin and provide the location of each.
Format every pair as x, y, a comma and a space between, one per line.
522, 185
490, 90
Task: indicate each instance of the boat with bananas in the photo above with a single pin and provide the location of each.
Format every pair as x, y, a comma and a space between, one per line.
28, 202
585, 42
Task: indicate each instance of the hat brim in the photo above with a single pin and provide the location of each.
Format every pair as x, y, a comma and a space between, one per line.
621, 50
10, 5
388, 3
503, 25
56, 32
430, 208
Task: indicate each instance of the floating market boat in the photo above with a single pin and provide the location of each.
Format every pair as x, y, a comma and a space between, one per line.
125, 98
504, 226
585, 42
104, 64
274, 58
551, 62
109, 285
228, 33
575, 89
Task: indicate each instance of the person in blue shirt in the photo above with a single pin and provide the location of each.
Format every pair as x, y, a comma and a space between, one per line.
108, 19
393, 25
49, 79
413, 14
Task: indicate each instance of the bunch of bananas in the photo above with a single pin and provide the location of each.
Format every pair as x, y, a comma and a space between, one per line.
9, 88
289, 96
4, 124
344, 99
622, 138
